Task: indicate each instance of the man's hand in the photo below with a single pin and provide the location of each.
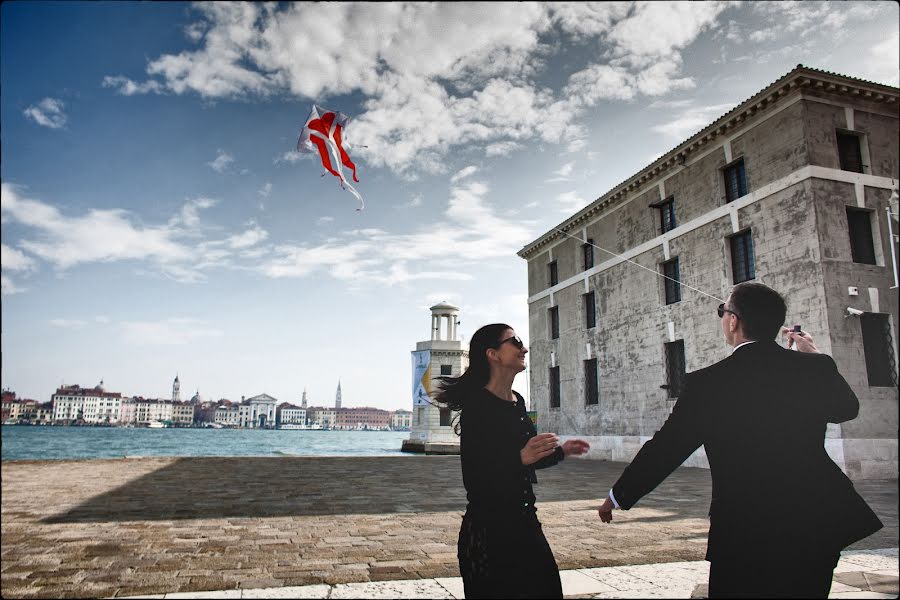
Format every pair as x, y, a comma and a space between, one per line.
541, 445
803, 340
575, 447
605, 510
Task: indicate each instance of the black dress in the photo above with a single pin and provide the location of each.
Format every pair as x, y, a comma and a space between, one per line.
502, 550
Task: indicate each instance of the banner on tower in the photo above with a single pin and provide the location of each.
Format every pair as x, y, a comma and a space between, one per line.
421, 384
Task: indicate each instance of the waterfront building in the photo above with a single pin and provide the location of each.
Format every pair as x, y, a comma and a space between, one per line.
431, 430
791, 189
89, 405
363, 417
183, 414
320, 417
227, 414
24, 411
288, 414
401, 420
257, 412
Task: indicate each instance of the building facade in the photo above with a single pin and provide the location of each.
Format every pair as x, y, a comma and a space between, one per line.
362, 417
401, 420
88, 405
258, 412
431, 430
288, 414
789, 189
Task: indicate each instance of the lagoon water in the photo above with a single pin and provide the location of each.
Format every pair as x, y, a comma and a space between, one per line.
22, 442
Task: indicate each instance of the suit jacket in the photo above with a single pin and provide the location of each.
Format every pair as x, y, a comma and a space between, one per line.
761, 415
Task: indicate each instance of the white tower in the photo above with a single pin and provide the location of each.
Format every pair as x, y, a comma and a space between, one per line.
176, 390
303, 399
337, 396
442, 355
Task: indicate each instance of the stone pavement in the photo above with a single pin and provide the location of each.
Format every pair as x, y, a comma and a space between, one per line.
151, 526
868, 573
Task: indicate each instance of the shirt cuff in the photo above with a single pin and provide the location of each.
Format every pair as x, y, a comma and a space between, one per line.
613, 498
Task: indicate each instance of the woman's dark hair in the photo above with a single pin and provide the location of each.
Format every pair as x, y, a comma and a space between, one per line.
452, 390
760, 309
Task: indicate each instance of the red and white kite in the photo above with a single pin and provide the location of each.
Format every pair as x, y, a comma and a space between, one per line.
322, 133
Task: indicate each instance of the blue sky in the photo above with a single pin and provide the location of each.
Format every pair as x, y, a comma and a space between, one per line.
155, 219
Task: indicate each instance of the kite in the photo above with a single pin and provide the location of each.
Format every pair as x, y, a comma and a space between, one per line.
322, 133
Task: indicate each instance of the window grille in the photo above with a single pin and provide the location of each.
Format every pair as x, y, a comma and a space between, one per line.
445, 417
672, 282
743, 260
446, 369
591, 382
554, 387
590, 310
862, 247
554, 322
878, 345
554, 275
675, 367
735, 181
666, 209
849, 153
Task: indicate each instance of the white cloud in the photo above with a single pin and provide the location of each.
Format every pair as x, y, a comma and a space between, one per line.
74, 324
291, 157
127, 87
168, 332
101, 319
99, 235
884, 64
462, 174
460, 74
221, 162
12, 259
7, 287
690, 121
324, 220
48, 113
502, 148
189, 215
249, 238
373, 256
563, 173
570, 202
265, 191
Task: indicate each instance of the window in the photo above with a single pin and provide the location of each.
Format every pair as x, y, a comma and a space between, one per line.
445, 417
554, 275
554, 322
862, 248
881, 365
666, 214
675, 368
735, 181
591, 387
554, 387
743, 261
672, 282
590, 310
446, 369
587, 251
849, 154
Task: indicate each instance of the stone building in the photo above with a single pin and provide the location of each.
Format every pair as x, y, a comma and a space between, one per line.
431, 431
401, 420
72, 403
789, 189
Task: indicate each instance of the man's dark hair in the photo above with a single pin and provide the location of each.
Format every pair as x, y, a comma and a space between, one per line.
760, 309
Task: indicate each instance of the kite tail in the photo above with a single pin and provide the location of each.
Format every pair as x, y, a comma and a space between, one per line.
333, 146
345, 158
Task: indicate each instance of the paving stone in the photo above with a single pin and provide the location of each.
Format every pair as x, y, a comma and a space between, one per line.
300, 592
422, 588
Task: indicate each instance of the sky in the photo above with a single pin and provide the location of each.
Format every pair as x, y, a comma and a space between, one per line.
157, 220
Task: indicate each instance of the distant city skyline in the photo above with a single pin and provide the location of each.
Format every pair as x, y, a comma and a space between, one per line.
157, 220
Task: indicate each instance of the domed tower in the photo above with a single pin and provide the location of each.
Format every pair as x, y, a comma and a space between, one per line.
441, 355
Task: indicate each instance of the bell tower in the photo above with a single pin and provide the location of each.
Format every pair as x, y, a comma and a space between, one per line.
440, 355
176, 390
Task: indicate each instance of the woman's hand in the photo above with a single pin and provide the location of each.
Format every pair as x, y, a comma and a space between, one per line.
541, 445
575, 447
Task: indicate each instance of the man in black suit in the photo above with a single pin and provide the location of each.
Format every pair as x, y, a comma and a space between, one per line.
781, 509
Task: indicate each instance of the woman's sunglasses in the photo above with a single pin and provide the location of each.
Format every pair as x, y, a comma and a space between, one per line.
516, 341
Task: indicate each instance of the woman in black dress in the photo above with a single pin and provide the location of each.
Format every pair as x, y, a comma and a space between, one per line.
502, 550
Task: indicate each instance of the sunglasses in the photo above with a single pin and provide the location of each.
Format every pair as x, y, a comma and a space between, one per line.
722, 310
516, 341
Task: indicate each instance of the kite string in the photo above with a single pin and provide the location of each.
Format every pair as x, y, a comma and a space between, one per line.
619, 256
